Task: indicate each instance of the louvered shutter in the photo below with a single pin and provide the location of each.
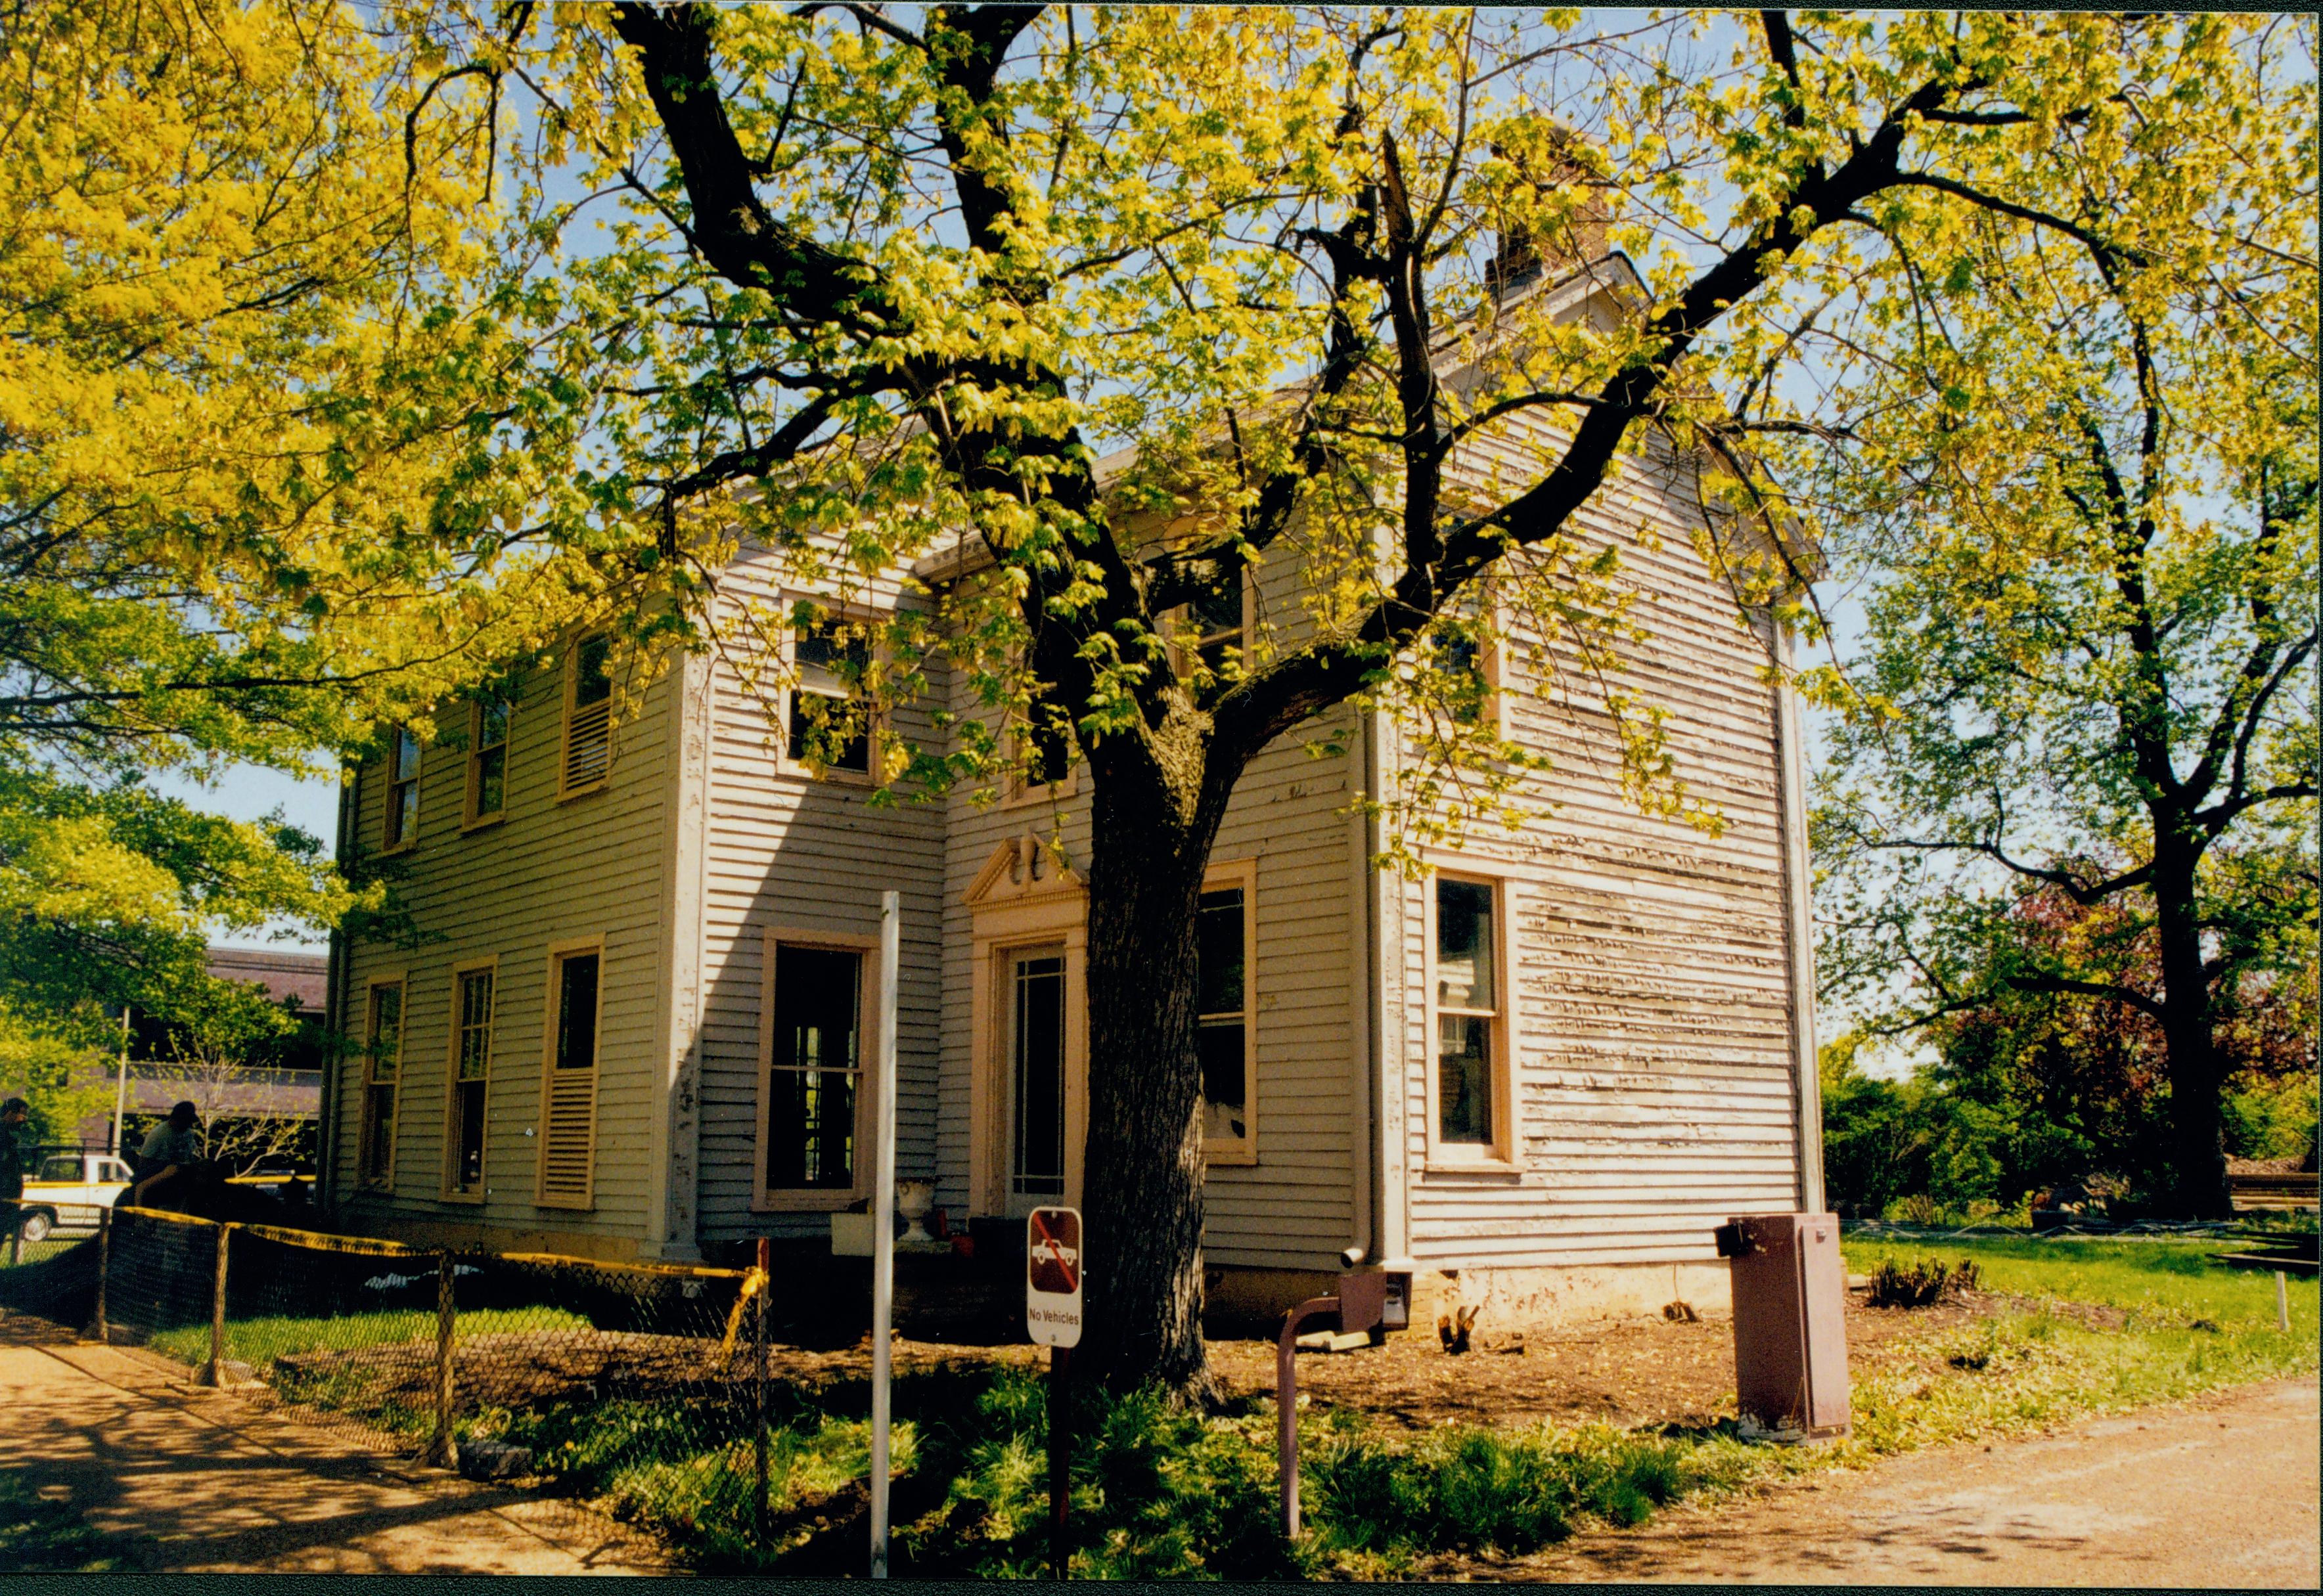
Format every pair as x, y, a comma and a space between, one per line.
568, 1132
588, 716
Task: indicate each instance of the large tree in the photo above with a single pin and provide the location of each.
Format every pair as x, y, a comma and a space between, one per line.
2077, 506
875, 280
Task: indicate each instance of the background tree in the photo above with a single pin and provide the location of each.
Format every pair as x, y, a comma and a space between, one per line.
2076, 503
905, 275
223, 534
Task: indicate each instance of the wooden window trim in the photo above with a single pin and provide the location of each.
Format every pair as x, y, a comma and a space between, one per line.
1500, 1157
475, 820
388, 840
401, 982
552, 993
447, 1190
876, 726
1242, 1150
767, 1199
565, 788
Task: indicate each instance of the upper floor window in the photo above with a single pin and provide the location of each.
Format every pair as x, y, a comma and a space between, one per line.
402, 788
829, 722
1214, 631
588, 716
488, 750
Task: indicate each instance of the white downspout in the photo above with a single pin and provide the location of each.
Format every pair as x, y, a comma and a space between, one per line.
1799, 912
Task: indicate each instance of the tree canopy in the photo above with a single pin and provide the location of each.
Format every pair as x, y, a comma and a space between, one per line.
2075, 499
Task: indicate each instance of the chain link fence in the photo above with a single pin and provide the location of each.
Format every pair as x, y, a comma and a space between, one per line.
639, 1391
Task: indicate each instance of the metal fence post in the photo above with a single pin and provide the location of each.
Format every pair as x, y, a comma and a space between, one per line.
766, 1262
214, 1373
97, 1329
444, 1449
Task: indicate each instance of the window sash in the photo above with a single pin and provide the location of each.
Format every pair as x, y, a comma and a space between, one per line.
588, 751
827, 720
402, 787
1469, 992
813, 1095
1222, 1000
488, 758
1036, 1165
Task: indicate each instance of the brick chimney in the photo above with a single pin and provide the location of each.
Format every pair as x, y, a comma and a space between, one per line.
1522, 253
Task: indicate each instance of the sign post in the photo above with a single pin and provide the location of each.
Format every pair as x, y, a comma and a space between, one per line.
882, 1222
1052, 1317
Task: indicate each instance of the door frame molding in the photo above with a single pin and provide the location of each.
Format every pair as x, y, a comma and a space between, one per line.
1026, 897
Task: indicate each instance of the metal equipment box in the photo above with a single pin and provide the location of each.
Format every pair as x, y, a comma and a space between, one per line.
1790, 1328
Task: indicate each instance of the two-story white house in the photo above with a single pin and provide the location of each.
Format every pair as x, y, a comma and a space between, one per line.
632, 1020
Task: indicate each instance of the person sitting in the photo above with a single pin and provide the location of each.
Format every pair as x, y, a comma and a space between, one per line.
172, 1148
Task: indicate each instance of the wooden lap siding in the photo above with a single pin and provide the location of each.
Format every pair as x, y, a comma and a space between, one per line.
1293, 1208
551, 874
1653, 1047
797, 853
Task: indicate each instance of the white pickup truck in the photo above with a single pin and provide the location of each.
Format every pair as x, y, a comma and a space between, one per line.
67, 1190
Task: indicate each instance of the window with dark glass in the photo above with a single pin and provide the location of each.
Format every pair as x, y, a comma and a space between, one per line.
383, 1052
1037, 1075
588, 714
1467, 1012
488, 745
402, 787
472, 1072
1215, 621
829, 726
1222, 1003
816, 1070
569, 1131
1460, 663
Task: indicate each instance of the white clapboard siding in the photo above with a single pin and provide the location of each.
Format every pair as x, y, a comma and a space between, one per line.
785, 851
1293, 1207
1651, 988
552, 872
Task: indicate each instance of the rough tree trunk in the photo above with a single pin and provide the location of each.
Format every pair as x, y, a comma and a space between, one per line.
2197, 1158
1142, 1171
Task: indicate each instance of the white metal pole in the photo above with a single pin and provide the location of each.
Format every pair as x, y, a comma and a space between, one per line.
121, 1083
883, 1221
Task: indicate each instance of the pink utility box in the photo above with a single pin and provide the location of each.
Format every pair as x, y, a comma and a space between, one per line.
1790, 1326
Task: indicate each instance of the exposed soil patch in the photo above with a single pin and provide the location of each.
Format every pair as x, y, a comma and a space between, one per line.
1624, 1372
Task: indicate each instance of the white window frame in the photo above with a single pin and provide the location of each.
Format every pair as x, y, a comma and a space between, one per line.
552, 994
765, 1199
364, 1131
476, 819
450, 1191
1500, 1154
565, 786
1222, 877
875, 722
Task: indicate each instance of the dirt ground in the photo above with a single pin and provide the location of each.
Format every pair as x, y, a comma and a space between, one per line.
1625, 1371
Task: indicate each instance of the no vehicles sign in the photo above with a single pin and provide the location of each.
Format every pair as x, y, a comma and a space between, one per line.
1052, 1277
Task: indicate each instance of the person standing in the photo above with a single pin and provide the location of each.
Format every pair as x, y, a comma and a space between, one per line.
14, 1113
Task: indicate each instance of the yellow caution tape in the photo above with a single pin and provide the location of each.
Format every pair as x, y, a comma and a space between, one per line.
754, 1280
317, 1242
165, 1214
684, 1271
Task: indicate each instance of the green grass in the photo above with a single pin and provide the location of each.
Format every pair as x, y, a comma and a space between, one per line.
1159, 1493
2157, 1283
40, 1536
257, 1342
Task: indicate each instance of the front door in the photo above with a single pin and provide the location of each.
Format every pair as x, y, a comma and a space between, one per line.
1035, 1061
